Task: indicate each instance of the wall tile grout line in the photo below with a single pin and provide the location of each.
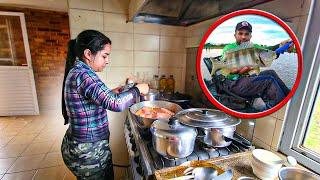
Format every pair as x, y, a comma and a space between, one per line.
100, 11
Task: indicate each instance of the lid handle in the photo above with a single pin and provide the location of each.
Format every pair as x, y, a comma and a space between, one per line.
205, 112
173, 121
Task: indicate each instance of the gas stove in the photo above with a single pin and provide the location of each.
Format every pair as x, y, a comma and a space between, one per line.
144, 160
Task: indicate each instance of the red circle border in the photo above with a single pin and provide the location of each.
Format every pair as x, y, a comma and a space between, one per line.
204, 87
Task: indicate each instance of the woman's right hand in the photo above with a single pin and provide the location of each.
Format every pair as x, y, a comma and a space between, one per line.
143, 88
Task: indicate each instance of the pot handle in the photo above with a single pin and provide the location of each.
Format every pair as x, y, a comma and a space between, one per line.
205, 112
202, 131
173, 121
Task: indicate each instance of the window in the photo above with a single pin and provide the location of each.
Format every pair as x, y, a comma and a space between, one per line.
12, 50
301, 134
312, 138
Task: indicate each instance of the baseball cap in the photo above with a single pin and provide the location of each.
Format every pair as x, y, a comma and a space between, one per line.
244, 25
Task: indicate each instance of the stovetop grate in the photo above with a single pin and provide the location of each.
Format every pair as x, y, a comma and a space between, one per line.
199, 153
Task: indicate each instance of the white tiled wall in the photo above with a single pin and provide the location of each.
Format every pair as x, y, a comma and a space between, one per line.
142, 28
146, 59
144, 42
85, 19
116, 23
88, 5
120, 40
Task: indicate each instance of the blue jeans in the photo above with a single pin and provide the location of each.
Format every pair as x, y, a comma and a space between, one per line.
266, 85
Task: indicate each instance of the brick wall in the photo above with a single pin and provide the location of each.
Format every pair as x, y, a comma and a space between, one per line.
48, 34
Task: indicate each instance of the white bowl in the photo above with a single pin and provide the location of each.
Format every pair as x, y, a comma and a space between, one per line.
262, 164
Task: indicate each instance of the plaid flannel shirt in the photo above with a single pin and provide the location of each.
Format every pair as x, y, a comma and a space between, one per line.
87, 98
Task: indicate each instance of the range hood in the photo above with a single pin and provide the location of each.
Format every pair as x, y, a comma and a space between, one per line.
184, 12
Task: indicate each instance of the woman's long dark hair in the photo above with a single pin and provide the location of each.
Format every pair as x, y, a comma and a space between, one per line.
88, 39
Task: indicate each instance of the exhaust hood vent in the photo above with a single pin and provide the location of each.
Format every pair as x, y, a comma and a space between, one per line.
184, 12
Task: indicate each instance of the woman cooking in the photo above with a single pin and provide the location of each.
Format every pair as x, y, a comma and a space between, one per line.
85, 98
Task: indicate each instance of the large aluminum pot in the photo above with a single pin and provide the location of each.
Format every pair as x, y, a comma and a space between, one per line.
172, 139
152, 95
217, 137
146, 122
216, 128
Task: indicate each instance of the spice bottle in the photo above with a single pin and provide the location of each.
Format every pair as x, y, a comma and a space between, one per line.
170, 85
155, 82
162, 83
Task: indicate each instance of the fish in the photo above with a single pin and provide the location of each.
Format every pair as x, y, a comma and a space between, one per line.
246, 54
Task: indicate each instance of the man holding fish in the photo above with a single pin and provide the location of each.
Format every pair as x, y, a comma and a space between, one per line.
241, 62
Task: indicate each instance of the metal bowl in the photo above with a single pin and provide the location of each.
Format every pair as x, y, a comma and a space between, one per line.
152, 95
146, 122
292, 173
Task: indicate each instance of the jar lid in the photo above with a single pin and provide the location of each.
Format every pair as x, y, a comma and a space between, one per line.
206, 118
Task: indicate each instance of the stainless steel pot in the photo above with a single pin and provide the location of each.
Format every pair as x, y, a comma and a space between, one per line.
151, 96
216, 126
172, 139
296, 173
217, 137
146, 122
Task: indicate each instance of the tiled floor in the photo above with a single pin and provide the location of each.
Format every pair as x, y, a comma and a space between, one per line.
30, 148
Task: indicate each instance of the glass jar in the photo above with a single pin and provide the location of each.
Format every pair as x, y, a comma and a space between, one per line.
162, 83
170, 85
155, 82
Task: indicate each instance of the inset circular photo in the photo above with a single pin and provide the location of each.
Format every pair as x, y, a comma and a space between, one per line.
249, 63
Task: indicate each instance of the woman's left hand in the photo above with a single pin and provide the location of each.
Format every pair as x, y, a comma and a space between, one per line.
143, 88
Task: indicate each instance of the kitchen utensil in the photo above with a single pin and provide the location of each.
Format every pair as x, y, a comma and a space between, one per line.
205, 173
214, 125
227, 175
172, 139
293, 173
146, 122
291, 160
152, 95
262, 164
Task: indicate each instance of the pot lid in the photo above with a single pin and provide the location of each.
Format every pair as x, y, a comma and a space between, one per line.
206, 118
172, 128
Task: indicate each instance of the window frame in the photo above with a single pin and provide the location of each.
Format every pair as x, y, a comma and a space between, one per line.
300, 107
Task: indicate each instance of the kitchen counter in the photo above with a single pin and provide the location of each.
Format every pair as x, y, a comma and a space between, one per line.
239, 163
